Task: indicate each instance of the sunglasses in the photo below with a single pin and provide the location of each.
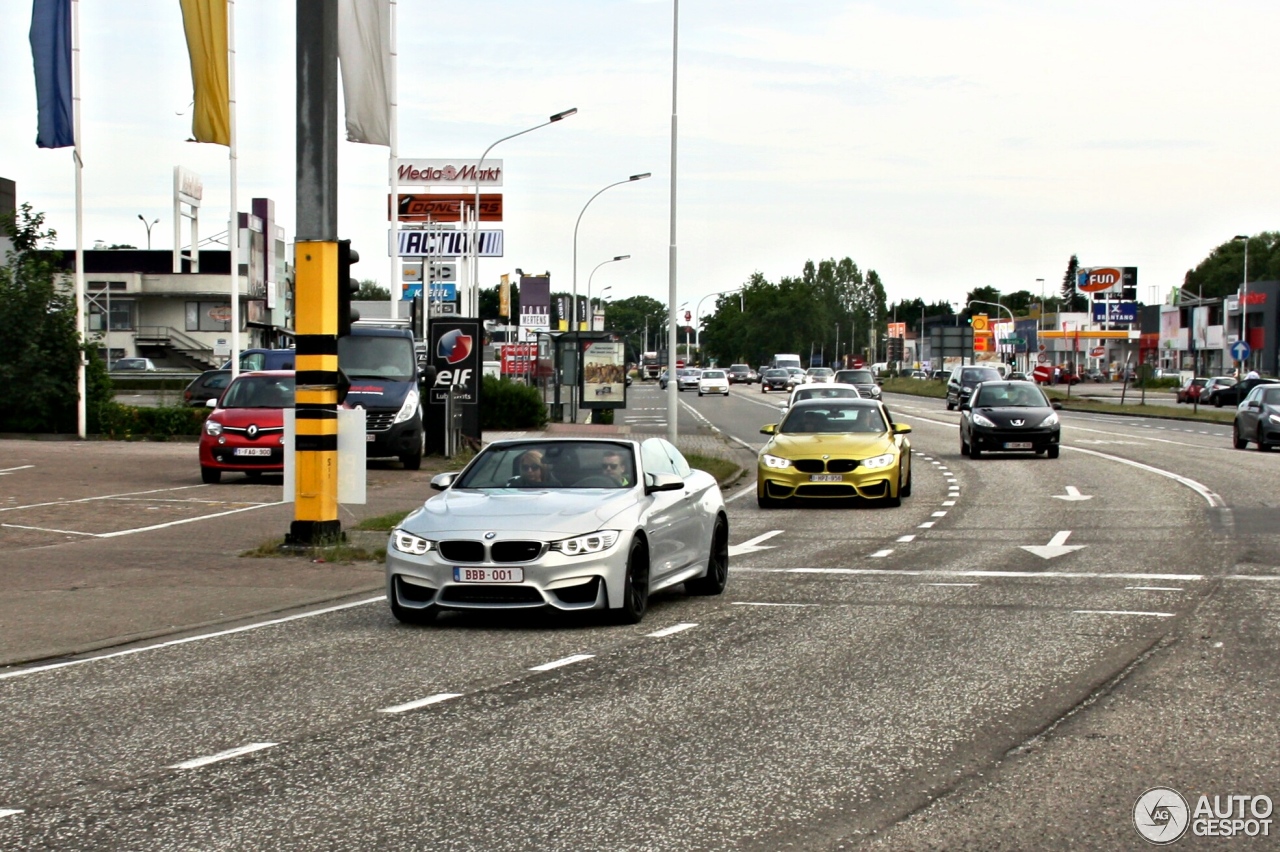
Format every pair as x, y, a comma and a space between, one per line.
611, 466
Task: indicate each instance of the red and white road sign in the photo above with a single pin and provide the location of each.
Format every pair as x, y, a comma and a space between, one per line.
1097, 351
680, 364
1043, 373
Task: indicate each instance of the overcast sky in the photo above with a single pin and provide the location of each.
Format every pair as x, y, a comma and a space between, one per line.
946, 145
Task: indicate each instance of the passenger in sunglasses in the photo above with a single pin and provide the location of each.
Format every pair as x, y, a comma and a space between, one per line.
615, 468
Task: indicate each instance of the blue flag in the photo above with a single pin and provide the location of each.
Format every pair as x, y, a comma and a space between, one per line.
51, 54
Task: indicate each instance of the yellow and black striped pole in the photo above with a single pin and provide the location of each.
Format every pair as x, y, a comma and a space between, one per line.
316, 407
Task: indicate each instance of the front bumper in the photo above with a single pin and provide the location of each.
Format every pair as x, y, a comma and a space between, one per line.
221, 456
995, 440
393, 439
713, 389
552, 580
790, 482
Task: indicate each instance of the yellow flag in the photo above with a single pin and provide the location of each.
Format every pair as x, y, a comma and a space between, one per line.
205, 22
504, 297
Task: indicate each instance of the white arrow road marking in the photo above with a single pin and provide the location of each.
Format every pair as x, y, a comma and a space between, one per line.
1073, 493
753, 544
1056, 547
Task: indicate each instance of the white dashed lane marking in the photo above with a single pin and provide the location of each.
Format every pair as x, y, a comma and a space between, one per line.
223, 755
421, 702
566, 661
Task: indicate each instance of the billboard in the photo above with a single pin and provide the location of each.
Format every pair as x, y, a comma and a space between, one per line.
535, 302
1115, 282
448, 173
603, 383
455, 352
1117, 312
448, 208
447, 243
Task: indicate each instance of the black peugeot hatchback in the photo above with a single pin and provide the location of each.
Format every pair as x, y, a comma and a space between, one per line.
1009, 417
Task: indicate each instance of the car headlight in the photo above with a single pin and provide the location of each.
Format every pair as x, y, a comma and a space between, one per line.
1274, 418
410, 543
212, 428
1051, 420
966, 389
875, 390
775, 461
590, 543
877, 462
409, 408
979, 420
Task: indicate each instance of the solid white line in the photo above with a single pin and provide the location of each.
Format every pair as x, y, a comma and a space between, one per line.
1153, 588
1263, 577
103, 497
939, 514
187, 520
950, 584
225, 755
46, 529
673, 629
8, 812
939, 572
926, 525
326, 610
743, 493
906, 538
567, 661
880, 554
1119, 612
421, 702
752, 603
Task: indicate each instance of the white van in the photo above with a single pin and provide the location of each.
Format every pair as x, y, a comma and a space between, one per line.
781, 361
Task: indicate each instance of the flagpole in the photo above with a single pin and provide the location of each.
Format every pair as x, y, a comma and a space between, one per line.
393, 283
81, 385
234, 228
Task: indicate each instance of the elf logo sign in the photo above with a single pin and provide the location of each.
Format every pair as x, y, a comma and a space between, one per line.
1099, 278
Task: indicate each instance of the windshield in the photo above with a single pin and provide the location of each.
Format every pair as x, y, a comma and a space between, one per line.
555, 465
1004, 396
259, 392
981, 375
856, 377
833, 419
389, 358
826, 392
713, 374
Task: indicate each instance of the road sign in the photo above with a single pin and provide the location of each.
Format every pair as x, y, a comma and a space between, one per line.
1240, 351
1043, 373
680, 364
1014, 341
981, 323
980, 343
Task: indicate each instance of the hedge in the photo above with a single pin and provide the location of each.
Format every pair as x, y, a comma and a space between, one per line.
511, 405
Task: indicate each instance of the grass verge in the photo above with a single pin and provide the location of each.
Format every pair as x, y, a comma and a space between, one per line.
343, 552
722, 469
383, 523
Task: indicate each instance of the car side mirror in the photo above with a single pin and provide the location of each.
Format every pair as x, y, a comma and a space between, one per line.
771, 429
1254, 404
211, 403
1056, 406
441, 481
427, 376
782, 405
663, 482
964, 406
901, 428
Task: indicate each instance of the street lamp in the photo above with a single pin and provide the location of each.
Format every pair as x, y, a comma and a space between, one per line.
1244, 293
475, 237
697, 316
590, 321
148, 224
575, 236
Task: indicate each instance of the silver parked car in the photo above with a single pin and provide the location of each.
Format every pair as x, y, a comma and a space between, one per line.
570, 524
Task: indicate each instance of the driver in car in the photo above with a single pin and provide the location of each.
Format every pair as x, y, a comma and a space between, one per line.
615, 468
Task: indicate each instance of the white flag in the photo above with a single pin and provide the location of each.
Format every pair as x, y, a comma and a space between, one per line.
364, 54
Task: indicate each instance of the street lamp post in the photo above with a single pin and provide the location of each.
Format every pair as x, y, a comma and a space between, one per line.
474, 296
1244, 292
697, 316
575, 238
590, 321
148, 224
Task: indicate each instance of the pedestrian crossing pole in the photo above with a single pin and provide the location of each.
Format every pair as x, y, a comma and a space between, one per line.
316, 265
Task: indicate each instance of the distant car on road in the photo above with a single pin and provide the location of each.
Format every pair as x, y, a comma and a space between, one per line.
920, 374
688, 379
245, 431
740, 374
775, 380
713, 381
1212, 386
821, 390
819, 374
133, 365
1190, 390
861, 378
1003, 416
208, 385
1237, 392
964, 380
1258, 418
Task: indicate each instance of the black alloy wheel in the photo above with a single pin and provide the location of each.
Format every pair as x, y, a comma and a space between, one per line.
1053, 451
911, 469
635, 586
1263, 446
974, 452
210, 475
413, 460
1237, 440
717, 566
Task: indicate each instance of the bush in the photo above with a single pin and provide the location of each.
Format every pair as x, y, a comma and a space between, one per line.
128, 422
511, 405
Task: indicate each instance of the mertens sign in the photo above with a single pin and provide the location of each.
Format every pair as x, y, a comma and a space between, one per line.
448, 173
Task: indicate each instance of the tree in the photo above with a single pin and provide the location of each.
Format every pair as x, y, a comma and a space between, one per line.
1072, 300
370, 292
38, 336
1222, 272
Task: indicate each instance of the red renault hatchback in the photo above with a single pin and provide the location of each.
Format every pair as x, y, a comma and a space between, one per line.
245, 431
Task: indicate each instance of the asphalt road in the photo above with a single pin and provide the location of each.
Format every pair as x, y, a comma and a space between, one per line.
904, 678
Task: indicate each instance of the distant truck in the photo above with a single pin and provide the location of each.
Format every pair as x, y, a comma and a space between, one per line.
782, 361
650, 365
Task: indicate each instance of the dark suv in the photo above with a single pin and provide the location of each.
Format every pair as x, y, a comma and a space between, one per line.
962, 381
739, 373
861, 378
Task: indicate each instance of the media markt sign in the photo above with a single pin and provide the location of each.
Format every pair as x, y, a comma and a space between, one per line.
450, 173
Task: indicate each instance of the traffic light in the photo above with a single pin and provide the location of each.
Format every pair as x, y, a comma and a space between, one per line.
347, 287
